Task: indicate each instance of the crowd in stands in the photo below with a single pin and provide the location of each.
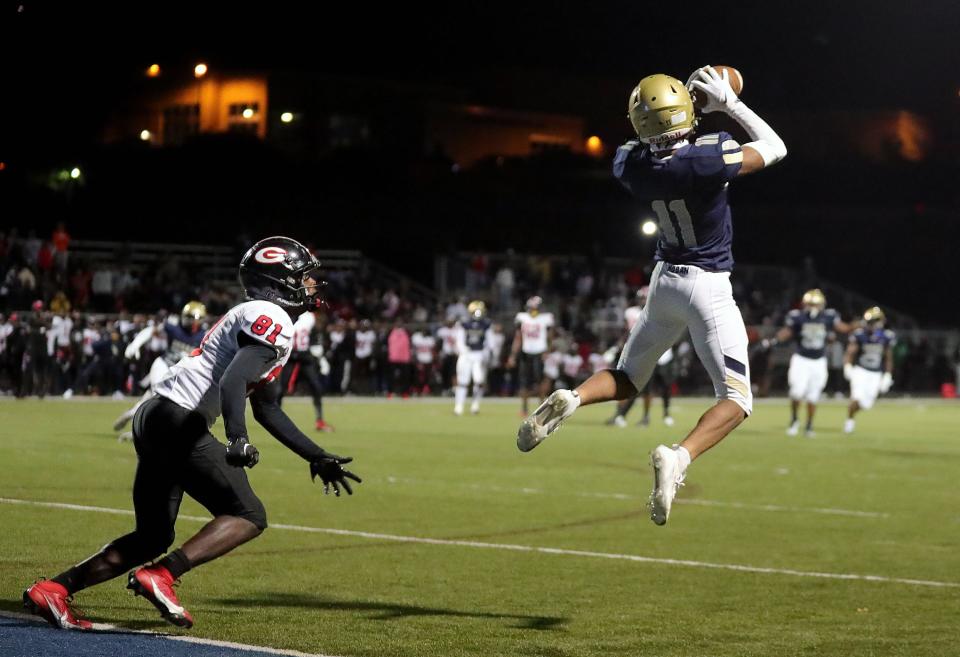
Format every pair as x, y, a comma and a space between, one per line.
65, 323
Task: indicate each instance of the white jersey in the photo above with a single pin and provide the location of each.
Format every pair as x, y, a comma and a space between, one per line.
631, 315
448, 340
423, 346
365, 341
89, 337
572, 364
194, 382
534, 331
551, 365
598, 363
302, 330
336, 337
5, 331
494, 346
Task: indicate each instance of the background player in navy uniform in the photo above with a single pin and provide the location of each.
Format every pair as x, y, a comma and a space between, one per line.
182, 339
176, 453
473, 355
807, 375
684, 183
868, 364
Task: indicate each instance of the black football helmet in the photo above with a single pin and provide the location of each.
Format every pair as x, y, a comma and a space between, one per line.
273, 270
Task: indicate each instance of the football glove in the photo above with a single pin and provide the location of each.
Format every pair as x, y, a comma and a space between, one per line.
847, 371
714, 87
240, 453
886, 381
328, 468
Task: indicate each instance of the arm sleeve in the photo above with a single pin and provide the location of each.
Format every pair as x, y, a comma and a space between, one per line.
247, 366
142, 338
267, 411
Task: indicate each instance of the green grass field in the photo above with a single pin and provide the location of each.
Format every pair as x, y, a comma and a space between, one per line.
883, 503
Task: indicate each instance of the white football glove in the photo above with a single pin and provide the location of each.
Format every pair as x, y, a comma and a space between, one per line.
706, 82
886, 381
847, 371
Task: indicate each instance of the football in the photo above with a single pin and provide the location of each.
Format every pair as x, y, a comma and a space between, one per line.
736, 82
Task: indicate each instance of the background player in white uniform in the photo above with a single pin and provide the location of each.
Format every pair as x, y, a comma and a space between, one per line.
473, 353
531, 340
179, 342
685, 185
305, 363
807, 374
664, 374
447, 335
424, 354
868, 364
242, 353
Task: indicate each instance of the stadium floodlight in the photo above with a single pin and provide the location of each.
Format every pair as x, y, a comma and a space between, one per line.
286, 117
594, 145
248, 113
199, 70
75, 173
153, 71
145, 135
649, 227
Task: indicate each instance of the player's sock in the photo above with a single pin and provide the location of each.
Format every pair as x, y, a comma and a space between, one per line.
176, 562
793, 415
684, 457
460, 396
70, 579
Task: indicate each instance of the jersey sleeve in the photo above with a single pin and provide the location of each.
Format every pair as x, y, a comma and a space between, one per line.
518, 320
856, 337
622, 169
715, 157
269, 324
891, 337
793, 320
548, 320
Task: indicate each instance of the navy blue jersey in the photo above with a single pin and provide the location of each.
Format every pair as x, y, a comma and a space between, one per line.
180, 342
872, 346
810, 332
475, 333
688, 193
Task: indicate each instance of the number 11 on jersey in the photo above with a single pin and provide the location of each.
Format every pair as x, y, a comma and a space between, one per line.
675, 222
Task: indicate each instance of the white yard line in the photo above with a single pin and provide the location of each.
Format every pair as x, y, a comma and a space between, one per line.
107, 627
627, 496
533, 549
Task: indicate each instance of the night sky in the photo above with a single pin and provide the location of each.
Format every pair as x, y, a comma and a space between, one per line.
64, 67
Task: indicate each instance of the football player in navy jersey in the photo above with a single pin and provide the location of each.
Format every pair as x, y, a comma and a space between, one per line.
807, 376
868, 364
683, 180
472, 360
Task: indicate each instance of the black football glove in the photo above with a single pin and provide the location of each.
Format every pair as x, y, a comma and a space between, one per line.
241, 453
327, 467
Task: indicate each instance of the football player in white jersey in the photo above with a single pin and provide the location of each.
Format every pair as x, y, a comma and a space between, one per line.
531, 341
682, 179
304, 362
243, 352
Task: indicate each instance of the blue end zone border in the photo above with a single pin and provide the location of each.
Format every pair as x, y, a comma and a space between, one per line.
24, 636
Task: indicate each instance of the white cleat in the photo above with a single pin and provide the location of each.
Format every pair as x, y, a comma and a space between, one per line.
475, 408
849, 425
68, 393
546, 419
794, 428
126, 436
810, 433
667, 478
668, 420
620, 421
458, 409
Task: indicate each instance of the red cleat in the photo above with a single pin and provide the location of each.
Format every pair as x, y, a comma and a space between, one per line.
155, 583
51, 601
324, 426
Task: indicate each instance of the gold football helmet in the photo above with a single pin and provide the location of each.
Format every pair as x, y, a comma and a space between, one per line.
477, 309
660, 109
874, 315
814, 298
194, 311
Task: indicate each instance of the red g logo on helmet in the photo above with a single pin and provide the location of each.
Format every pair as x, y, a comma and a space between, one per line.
270, 255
